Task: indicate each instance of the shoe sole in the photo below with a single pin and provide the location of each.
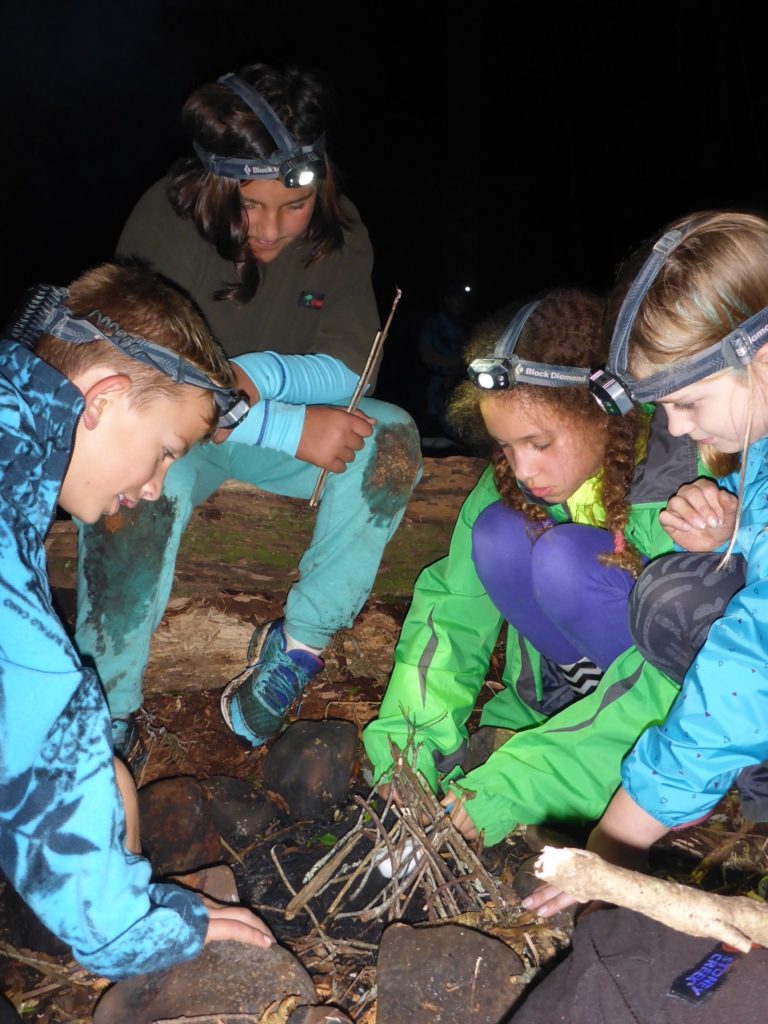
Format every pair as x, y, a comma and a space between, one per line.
255, 648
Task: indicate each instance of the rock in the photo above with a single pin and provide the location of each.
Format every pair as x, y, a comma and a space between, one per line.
238, 810
217, 881
482, 744
310, 767
447, 974
227, 978
318, 1015
178, 833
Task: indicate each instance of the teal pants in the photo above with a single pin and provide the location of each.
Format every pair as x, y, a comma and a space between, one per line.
124, 577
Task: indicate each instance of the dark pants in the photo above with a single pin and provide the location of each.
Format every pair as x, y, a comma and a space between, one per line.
623, 966
675, 601
8, 1014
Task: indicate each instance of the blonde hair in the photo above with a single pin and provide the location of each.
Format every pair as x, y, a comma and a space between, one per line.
716, 278
713, 280
144, 304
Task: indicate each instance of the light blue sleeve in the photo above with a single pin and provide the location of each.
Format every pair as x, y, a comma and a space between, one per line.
271, 424
287, 384
718, 725
299, 380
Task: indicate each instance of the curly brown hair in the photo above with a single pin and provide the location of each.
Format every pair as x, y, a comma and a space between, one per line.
566, 329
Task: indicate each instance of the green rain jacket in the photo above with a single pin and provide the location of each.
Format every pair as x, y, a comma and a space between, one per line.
560, 765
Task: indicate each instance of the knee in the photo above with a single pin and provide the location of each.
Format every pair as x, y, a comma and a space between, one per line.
493, 537
391, 459
557, 556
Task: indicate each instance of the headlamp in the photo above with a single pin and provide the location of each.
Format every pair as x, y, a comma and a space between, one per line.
45, 311
735, 351
295, 165
503, 370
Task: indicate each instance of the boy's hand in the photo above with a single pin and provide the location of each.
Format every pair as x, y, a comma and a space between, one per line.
331, 437
236, 923
701, 516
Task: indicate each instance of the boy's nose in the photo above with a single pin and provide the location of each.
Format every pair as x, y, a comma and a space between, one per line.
153, 488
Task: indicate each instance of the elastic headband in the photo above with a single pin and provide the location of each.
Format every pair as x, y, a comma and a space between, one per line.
297, 165
45, 311
735, 351
504, 370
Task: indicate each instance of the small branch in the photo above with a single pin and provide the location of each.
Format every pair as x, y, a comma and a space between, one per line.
736, 920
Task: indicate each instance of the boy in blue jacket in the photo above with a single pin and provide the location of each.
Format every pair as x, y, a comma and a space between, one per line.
102, 388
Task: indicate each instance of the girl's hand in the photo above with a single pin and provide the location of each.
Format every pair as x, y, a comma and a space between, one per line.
331, 437
456, 806
236, 923
701, 516
548, 900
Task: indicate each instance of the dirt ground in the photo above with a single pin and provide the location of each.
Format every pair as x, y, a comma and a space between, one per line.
236, 564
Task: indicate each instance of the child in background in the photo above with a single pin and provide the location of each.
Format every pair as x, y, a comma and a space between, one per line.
123, 382
551, 539
691, 335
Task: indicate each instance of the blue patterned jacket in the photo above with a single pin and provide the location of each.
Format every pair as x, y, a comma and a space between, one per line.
61, 818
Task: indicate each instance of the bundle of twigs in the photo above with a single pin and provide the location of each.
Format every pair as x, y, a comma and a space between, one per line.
413, 847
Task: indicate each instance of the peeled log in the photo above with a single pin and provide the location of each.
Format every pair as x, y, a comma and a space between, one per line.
737, 920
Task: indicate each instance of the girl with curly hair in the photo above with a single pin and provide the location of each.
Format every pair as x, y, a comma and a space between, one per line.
550, 541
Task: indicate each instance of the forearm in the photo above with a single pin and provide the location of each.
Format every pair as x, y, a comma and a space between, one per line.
625, 832
298, 379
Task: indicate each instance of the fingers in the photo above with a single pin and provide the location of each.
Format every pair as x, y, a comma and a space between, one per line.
548, 900
700, 505
236, 923
700, 517
456, 807
369, 420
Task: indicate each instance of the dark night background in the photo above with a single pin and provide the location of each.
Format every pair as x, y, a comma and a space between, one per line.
517, 145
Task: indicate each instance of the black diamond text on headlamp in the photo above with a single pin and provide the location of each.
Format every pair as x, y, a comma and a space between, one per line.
297, 166
503, 370
735, 351
44, 311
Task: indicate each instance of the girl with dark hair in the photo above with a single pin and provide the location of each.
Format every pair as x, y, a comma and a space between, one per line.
550, 540
253, 227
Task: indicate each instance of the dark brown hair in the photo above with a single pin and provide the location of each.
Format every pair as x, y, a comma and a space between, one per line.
219, 121
566, 329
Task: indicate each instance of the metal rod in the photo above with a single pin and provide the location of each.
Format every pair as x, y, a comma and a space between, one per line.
362, 384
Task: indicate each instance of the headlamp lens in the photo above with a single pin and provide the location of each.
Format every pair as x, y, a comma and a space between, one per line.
300, 172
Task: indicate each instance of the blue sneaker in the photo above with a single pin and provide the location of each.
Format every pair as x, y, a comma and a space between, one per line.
128, 744
255, 703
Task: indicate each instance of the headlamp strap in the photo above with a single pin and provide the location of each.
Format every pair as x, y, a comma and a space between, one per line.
45, 311
280, 134
505, 346
740, 346
286, 145
618, 355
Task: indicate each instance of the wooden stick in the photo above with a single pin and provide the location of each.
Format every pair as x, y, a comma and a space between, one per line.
362, 384
737, 920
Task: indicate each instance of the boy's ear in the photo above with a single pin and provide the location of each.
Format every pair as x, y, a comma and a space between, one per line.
99, 395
